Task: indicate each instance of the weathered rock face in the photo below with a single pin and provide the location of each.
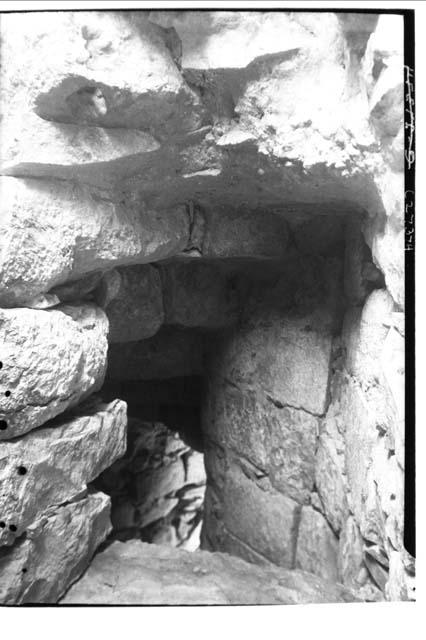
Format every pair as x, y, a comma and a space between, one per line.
268, 388
173, 183
50, 524
136, 310
60, 231
47, 467
57, 549
51, 360
138, 573
157, 488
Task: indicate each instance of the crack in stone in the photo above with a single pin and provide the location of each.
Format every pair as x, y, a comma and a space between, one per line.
285, 405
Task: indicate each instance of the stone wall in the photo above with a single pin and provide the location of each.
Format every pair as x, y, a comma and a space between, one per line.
303, 421
176, 195
157, 488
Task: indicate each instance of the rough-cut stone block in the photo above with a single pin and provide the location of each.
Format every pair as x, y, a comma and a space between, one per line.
107, 70
138, 573
136, 311
245, 234
154, 484
279, 440
57, 549
329, 479
53, 464
198, 295
352, 572
170, 353
401, 582
364, 334
52, 231
286, 357
264, 520
51, 360
317, 546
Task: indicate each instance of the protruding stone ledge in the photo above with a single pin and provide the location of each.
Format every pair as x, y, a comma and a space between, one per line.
54, 231
55, 552
51, 360
139, 573
53, 464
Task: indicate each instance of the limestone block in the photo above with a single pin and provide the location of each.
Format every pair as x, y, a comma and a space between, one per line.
139, 573
170, 353
264, 520
104, 69
57, 549
401, 581
152, 485
393, 367
284, 356
151, 512
245, 234
280, 440
352, 572
330, 481
55, 231
51, 360
364, 334
136, 311
198, 295
51, 465
317, 546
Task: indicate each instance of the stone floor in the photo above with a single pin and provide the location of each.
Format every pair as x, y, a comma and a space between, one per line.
135, 572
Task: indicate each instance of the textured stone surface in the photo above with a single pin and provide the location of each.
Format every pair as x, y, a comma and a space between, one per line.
170, 353
253, 512
138, 573
55, 230
209, 135
330, 477
157, 488
104, 51
136, 311
57, 549
245, 234
295, 374
51, 360
198, 295
279, 440
317, 546
53, 464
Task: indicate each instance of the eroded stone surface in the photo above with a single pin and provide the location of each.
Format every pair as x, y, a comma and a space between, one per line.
136, 311
51, 360
254, 513
157, 488
57, 549
317, 546
55, 230
121, 55
138, 573
281, 441
53, 464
